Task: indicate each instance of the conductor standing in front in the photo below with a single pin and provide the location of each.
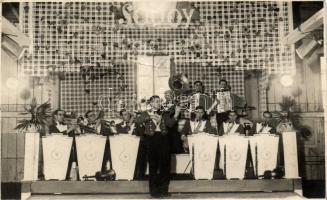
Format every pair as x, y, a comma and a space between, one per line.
156, 123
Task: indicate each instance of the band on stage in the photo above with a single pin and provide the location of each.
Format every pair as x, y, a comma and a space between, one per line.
164, 127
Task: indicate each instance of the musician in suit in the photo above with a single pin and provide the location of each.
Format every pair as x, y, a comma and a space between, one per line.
127, 126
198, 87
156, 124
265, 126
96, 124
231, 125
223, 87
176, 144
199, 123
59, 126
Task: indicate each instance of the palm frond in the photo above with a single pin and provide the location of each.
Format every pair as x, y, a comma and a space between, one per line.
287, 103
39, 115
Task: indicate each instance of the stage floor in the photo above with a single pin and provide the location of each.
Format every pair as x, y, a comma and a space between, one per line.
274, 188
250, 195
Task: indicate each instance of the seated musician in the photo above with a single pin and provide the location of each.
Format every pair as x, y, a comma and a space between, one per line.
265, 126
95, 124
128, 125
199, 123
246, 123
231, 125
59, 126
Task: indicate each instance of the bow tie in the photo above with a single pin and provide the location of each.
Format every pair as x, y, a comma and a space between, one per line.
60, 123
92, 124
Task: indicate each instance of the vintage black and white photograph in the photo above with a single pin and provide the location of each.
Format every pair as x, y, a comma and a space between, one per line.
163, 99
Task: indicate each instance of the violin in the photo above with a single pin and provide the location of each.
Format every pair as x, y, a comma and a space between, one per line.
108, 175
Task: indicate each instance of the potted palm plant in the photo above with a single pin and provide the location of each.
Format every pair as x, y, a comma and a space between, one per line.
39, 114
287, 119
288, 126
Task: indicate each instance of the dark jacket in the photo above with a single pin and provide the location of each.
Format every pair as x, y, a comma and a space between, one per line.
187, 130
240, 128
120, 128
53, 129
105, 129
144, 120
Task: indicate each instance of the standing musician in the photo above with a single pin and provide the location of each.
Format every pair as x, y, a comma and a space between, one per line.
199, 97
223, 108
156, 124
175, 142
169, 99
198, 87
231, 125
222, 102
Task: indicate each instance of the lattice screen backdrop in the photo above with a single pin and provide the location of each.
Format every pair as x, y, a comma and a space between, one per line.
95, 53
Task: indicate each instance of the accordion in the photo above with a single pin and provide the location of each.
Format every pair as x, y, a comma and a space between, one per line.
200, 100
225, 101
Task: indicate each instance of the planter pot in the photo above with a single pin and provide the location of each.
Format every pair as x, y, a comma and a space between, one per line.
31, 159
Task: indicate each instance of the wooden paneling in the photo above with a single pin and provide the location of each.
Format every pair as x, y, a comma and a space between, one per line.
9, 172
4, 145
11, 142
20, 169
20, 145
306, 89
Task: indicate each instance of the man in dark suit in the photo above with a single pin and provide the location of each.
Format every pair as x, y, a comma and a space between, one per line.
59, 126
156, 126
265, 126
128, 126
199, 123
96, 124
231, 125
